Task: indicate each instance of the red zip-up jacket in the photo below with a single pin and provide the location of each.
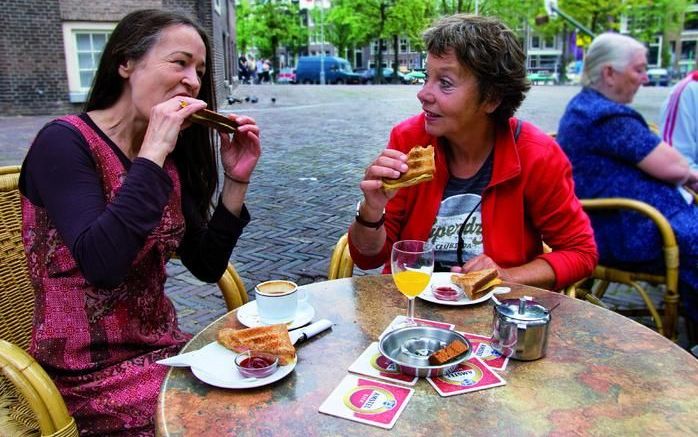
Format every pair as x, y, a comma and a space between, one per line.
530, 199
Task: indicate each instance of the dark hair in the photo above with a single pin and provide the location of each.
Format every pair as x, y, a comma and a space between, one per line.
490, 50
195, 153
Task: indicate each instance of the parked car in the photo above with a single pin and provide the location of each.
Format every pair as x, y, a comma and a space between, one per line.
337, 70
370, 74
658, 77
542, 76
286, 75
416, 76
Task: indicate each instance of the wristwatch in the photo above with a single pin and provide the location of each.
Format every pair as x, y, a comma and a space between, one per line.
361, 221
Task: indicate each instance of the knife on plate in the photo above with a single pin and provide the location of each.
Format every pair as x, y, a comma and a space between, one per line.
302, 334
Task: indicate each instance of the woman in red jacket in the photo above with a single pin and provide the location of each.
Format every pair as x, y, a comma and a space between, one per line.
501, 187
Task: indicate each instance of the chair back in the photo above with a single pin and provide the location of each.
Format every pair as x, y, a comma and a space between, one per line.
29, 400
232, 288
16, 292
341, 264
666, 325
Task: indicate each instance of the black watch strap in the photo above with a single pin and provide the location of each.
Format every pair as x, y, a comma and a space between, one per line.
361, 221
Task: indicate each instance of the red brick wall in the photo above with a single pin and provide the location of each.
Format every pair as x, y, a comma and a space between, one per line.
102, 10
33, 77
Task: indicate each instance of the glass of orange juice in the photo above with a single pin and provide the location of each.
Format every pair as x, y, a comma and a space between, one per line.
412, 262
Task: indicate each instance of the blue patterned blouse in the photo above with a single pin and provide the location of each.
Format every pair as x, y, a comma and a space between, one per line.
605, 140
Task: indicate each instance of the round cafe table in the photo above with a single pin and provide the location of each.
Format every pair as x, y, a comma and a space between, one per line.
603, 374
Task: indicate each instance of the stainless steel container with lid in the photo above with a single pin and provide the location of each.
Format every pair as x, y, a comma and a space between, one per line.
520, 328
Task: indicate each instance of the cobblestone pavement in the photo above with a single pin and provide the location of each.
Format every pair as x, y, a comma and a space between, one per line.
317, 142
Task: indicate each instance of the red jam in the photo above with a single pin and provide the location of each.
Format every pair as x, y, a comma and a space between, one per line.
255, 363
446, 293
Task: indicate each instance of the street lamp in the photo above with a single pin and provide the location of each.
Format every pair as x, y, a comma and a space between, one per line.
322, 42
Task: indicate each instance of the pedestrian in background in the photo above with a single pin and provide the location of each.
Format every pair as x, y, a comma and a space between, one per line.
252, 68
679, 119
259, 68
501, 186
266, 71
108, 196
243, 73
615, 154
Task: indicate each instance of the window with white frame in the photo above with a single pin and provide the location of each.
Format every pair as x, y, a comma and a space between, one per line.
404, 46
84, 44
374, 46
549, 42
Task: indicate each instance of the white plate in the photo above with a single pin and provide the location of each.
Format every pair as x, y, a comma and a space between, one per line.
444, 278
215, 365
248, 315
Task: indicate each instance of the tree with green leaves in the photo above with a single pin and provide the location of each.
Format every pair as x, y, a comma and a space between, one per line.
343, 28
244, 25
267, 25
648, 19
358, 22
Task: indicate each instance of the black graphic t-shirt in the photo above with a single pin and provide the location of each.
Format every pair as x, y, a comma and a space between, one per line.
461, 201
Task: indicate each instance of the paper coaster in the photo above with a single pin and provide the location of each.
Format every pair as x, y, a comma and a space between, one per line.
372, 363
482, 348
367, 401
399, 322
471, 375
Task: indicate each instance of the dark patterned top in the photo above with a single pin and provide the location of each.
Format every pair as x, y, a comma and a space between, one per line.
605, 141
99, 330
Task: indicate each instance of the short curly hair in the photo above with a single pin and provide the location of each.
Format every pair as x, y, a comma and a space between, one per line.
490, 50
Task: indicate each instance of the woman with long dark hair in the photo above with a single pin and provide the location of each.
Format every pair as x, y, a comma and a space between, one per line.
109, 195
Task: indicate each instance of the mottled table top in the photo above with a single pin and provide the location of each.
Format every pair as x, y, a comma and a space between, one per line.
603, 374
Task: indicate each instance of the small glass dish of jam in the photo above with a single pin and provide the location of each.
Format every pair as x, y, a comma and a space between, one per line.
446, 292
253, 364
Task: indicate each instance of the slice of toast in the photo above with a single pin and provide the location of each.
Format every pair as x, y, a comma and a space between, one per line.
273, 339
212, 119
420, 168
451, 351
475, 284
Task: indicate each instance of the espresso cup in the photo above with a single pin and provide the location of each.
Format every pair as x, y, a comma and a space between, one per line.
277, 301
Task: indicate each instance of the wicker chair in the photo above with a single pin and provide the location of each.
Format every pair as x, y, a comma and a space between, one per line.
603, 275
232, 288
341, 264
29, 400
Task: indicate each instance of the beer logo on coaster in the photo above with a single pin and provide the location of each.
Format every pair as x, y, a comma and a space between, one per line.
466, 375
383, 364
369, 400
486, 352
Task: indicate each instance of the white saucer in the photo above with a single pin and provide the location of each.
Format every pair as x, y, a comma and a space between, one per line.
248, 316
443, 279
215, 365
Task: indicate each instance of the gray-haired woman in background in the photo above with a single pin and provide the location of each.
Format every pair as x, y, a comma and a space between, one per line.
615, 154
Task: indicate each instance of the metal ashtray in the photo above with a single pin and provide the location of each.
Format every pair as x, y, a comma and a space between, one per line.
409, 348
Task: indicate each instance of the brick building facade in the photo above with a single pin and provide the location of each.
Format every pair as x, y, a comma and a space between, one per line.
50, 46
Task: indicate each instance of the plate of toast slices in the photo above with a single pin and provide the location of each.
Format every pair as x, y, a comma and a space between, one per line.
215, 363
216, 367
458, 289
